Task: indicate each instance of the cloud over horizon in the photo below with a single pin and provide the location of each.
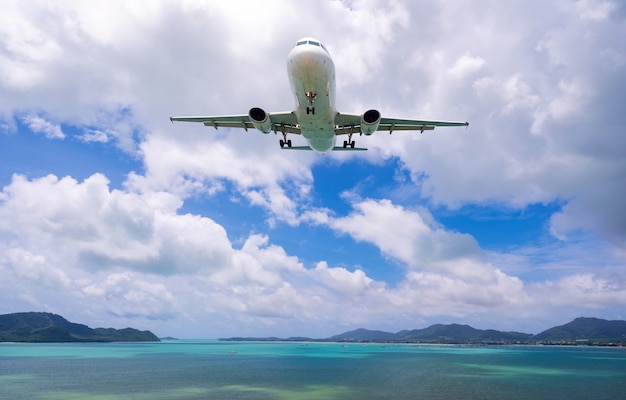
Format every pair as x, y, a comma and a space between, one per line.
110, 215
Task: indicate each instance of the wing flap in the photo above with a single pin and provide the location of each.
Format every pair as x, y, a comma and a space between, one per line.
393, 128
347, 124
419, 122
347, 130
347, 120
281, 122
217, 119
242, 124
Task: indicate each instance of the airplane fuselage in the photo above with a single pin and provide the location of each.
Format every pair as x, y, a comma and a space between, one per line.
312, 78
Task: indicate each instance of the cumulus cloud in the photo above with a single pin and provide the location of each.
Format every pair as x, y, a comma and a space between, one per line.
539, 111
595, 10
94, 136
438, 260
403, 234
132, 256
40, 125
543, 93
100, 228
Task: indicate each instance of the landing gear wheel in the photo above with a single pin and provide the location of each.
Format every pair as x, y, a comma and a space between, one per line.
289, 143
349, 142
282, 143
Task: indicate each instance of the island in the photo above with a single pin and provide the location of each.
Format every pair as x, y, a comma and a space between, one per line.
581, 331
41, 327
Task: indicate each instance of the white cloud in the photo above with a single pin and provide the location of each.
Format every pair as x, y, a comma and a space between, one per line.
40, 125
267, 178
35, 269
543, 92
527, 77
94, 136
99, 228
129, 296
353, 283
404, 235
589, 290
466, 65
131, 256
595, 10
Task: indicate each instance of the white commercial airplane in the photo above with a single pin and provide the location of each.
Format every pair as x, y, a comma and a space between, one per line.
312, 77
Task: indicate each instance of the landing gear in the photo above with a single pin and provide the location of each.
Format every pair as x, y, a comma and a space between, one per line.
284, 140
349, 142
310, 96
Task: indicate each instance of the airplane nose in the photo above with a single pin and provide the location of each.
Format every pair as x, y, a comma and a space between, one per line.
308, 59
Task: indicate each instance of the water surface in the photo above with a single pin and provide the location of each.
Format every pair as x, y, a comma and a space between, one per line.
243, 370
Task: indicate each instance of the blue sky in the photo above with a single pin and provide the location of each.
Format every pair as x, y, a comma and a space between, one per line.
112, 216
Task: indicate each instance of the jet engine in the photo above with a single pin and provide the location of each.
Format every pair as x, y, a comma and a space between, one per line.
370, 121
260, 119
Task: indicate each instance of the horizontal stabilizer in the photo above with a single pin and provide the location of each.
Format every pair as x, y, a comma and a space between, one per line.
336, 148
297, 148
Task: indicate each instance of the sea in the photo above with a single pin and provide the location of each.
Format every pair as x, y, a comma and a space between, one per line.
211, 369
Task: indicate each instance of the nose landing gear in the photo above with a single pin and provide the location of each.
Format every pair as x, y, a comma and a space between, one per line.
310, 96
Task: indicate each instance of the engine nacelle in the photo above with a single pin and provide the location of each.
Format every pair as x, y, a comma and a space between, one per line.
369, 122
260, 119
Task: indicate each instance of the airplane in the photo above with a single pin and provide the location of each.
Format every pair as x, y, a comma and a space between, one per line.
312, 77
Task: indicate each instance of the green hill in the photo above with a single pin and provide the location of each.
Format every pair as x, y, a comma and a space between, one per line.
439, 333
47, 327
590, 329
362, 335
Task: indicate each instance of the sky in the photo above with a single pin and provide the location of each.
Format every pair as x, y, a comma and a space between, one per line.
112, 216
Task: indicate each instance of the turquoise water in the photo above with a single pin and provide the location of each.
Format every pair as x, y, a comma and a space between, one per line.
227, 370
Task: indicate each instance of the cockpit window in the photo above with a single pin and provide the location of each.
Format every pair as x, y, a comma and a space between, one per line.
312, 42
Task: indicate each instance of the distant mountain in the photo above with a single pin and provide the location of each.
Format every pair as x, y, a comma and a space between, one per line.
460, 333
363, 335
438, 333
271, 339
47, 327
590, 329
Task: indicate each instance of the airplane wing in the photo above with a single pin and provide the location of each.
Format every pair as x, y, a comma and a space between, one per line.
282, 122
351, 123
